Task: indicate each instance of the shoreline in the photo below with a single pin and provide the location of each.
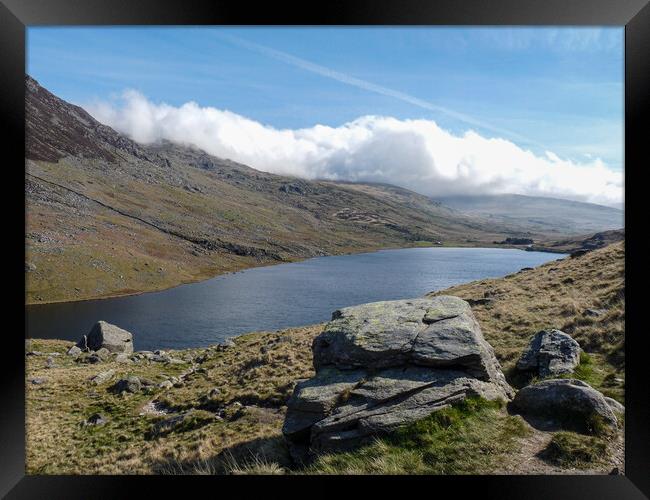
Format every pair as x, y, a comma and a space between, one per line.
264, 264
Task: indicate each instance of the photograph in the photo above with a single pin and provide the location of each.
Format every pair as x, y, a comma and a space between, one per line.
324, 250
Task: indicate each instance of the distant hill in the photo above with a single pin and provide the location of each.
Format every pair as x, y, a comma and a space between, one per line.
538, 214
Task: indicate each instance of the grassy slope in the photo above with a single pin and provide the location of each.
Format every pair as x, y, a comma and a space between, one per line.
260, 370
555, 295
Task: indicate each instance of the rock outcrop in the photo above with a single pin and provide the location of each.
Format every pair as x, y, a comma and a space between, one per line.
385, 364
567, 401
550, 353
130, 384
104, 335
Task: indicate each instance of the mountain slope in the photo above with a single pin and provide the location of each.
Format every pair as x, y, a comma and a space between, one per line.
108, 216
538, 214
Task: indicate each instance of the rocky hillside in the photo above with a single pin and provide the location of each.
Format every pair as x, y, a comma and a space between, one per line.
579, 243
107, 216
222, 409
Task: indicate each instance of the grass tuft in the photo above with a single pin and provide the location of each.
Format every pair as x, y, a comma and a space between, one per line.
568, 449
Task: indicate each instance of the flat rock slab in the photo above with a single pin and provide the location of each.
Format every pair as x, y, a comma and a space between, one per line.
550, 353
382, 365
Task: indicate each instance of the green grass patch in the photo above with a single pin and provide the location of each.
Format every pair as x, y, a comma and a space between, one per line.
585, 370
466, 438
568, 449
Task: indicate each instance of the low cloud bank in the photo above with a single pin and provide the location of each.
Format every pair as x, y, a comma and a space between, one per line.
416, 154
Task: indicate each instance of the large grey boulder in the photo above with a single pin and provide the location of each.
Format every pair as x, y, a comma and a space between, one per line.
550, 353
565, 400
104, 335
436, 332
383, 365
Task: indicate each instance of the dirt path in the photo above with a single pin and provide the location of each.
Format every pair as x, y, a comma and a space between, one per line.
527, 459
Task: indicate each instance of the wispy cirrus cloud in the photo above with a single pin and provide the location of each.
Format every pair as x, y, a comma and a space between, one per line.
373, 87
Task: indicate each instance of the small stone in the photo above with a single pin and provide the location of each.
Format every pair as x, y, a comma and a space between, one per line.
103, 353
96, 419
550, 353
595, 312
482, 301
123, 358
165, 384
102, 377
131, 384
74, 351
38, 380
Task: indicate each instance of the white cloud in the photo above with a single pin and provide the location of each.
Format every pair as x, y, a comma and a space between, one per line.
416, 154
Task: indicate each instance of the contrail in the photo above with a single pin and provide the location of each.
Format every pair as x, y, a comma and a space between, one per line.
369, 86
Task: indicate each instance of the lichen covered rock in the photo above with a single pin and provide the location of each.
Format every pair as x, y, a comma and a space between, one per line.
383, 365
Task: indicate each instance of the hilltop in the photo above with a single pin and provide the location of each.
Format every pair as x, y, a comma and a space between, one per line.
220, 409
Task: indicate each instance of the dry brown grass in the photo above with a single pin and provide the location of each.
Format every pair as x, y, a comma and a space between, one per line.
556, 295
259, 372
57, 442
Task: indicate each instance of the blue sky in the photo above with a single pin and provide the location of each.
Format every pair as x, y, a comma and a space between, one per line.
545, 89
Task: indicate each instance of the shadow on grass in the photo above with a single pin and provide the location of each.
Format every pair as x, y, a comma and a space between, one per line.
268, 455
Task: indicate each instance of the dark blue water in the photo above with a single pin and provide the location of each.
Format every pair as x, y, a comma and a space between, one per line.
274, 297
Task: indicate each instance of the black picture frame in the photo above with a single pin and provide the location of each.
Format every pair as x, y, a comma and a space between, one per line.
15, 15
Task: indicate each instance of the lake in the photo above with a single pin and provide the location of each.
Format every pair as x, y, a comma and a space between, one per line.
275, 297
